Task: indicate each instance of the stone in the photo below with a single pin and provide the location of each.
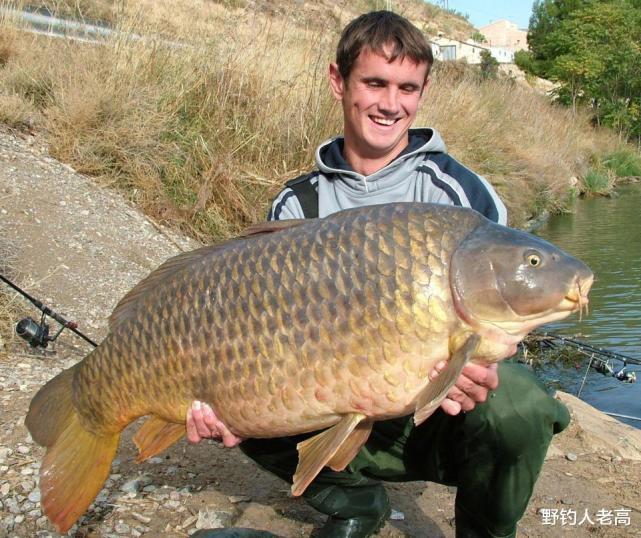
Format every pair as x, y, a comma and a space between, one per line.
140, 517
12, 504
34, 496
121, 527
571, 456
235, 499
397, 515
213, 519
135, 484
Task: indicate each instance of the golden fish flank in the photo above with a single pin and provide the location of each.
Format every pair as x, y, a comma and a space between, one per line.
298, 326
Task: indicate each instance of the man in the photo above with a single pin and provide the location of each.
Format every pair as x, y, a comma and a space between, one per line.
491, 450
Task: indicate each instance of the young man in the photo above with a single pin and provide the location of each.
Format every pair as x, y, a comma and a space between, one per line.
492, 451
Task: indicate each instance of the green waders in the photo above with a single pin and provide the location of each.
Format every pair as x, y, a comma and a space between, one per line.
493, 455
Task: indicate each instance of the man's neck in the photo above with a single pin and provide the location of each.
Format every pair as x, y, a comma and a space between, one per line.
367, 165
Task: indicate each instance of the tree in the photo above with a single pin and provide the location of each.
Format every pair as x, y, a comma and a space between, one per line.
592, 48
489, 65
478, 37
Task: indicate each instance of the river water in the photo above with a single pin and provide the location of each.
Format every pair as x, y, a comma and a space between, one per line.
606, 234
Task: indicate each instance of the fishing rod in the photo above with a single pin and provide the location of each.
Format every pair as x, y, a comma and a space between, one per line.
37, 334
587, 347
596, 354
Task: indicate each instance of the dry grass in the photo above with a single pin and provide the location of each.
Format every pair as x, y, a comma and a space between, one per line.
202, 136
9, 307
528, 148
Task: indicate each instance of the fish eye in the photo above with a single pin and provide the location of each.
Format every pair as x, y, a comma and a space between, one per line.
533, 259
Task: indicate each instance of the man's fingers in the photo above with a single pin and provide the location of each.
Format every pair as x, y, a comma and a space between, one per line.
486, 376
199, 422
462, 398
438, 368
476, 393
209, 417
229, 439
192, 433
202, 423
450, 407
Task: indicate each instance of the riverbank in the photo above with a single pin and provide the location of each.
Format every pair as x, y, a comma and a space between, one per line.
202, 136
80, 247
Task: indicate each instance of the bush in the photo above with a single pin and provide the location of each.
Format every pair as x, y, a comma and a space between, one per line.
623, 163
598, 182
489, 65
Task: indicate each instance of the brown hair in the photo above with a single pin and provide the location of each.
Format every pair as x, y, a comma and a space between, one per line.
375, 31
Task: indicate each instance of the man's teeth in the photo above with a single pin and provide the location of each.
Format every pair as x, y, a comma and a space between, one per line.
383, 121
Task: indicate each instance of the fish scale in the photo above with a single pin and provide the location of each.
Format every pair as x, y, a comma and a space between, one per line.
299, 326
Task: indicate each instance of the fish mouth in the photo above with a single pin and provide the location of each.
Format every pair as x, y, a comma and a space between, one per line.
577, 298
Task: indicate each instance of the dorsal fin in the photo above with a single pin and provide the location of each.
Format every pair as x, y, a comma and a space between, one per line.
271, 226
128, 304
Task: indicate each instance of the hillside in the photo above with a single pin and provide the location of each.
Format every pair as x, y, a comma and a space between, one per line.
319, 14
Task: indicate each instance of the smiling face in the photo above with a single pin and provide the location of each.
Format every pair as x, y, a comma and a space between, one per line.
380, 101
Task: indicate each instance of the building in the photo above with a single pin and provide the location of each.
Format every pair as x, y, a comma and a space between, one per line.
505, 34
446, 48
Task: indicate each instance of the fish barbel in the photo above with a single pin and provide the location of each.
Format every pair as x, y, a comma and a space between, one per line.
300, 326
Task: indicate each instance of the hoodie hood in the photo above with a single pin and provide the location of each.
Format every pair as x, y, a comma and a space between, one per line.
330, 160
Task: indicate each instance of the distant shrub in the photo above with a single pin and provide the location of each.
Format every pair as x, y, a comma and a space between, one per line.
623, 163
598, 182
478, 37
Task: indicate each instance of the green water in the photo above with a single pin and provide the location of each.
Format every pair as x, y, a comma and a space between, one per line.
606, 234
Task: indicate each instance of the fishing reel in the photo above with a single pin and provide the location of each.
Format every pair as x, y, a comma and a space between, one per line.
606, 368
626, 376
36, 334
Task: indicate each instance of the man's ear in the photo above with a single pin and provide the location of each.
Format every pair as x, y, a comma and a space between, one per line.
336, 82
425, 86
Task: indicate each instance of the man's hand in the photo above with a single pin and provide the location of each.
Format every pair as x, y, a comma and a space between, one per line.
472, 387
202, 423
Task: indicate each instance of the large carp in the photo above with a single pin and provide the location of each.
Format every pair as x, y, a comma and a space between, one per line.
300, 326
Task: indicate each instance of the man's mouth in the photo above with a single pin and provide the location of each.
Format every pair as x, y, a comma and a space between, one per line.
384, 121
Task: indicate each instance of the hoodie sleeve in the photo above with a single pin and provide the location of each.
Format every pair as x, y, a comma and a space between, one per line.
285, 206
463, 187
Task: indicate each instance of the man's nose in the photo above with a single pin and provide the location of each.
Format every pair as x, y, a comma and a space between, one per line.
390, 100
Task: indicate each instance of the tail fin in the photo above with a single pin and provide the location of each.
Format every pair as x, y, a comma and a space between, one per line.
77, 462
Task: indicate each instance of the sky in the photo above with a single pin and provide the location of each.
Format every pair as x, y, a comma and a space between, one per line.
483, 12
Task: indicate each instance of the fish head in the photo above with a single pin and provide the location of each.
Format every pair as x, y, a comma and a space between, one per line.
506, 282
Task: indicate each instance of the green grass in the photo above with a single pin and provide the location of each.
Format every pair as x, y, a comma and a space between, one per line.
623, 163
598, 182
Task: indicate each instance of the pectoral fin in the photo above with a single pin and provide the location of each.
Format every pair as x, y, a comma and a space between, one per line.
156, 435
435, 391
316, 452
348, 450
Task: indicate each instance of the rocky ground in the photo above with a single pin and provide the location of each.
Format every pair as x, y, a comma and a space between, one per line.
79, 248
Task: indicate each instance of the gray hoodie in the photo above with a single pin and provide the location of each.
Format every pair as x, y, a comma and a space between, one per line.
423, 172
